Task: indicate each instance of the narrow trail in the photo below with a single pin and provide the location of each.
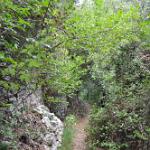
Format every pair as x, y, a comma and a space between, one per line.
79, 142
80, 134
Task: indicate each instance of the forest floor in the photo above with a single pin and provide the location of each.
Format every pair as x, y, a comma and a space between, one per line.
80, 134
79, 141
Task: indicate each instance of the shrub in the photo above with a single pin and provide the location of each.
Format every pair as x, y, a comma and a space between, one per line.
68, 133
117, 127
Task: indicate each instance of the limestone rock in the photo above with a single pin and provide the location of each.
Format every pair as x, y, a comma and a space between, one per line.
36, 127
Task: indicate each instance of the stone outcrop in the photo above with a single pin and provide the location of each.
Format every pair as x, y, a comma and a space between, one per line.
35, 127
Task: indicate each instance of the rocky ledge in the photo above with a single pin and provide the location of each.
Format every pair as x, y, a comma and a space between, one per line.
34, 127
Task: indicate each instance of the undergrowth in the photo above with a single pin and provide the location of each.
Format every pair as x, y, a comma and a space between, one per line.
68, 134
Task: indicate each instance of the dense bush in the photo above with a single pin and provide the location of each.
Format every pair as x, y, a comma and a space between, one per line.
121, 67
123, 122
118, 127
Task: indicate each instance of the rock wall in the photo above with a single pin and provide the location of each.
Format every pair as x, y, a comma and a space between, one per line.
36, 128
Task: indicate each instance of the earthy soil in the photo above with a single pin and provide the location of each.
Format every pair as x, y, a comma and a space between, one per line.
80, 134
79, 142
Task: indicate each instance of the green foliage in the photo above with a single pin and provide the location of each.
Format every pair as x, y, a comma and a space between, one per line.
114, 126
34, 52
33, 48
53, 45
68, 134
8, 136
3, 146
117, 77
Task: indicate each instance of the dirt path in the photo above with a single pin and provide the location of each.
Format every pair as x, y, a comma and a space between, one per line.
79, 142
80, 134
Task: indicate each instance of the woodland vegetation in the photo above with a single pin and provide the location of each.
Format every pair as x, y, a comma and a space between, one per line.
99, 54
